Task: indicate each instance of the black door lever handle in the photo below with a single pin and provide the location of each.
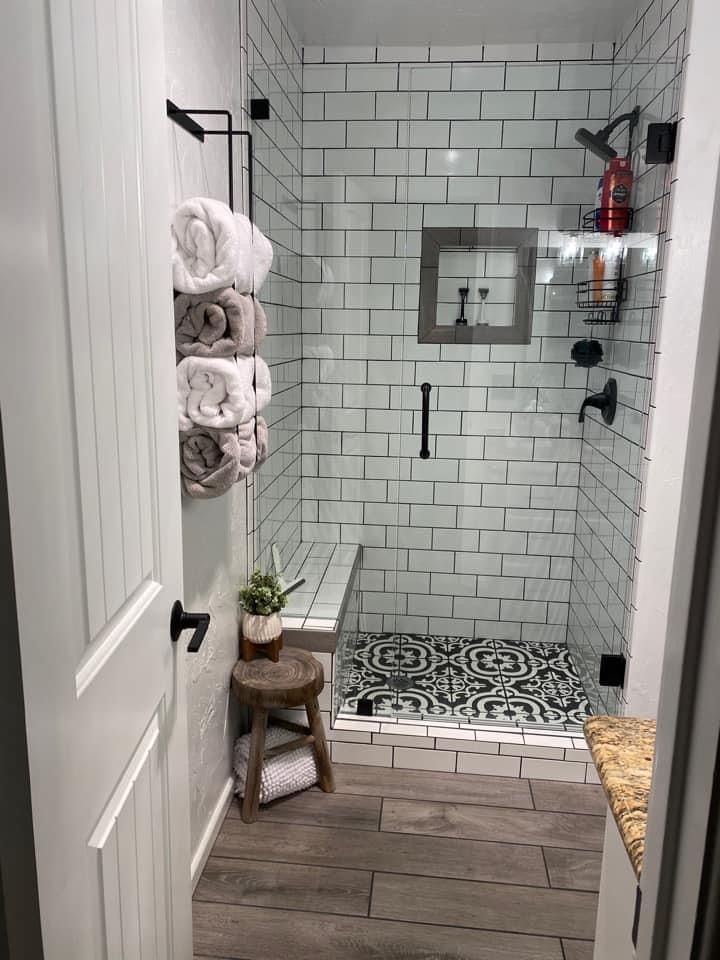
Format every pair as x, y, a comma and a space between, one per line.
180, 620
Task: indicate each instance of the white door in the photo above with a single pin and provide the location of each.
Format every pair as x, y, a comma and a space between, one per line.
87, 397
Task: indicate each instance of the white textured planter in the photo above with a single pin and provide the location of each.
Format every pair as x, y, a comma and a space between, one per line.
261, 629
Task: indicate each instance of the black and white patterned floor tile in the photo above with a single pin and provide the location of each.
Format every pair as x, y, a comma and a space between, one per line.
501, 681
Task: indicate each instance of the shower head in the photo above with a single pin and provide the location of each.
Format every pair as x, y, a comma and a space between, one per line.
598, 144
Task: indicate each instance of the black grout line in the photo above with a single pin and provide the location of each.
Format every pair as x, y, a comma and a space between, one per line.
370, 896
547, 872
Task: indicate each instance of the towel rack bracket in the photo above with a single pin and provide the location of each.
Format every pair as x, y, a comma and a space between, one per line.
184, 120
183, 116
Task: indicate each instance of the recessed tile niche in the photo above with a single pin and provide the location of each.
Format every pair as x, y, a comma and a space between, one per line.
476, 285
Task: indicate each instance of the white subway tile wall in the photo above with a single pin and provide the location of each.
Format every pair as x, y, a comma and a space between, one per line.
275, 71
477, 540
647, 71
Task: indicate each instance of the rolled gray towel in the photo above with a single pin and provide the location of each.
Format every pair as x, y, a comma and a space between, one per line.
211, 461
216, 324
260, 323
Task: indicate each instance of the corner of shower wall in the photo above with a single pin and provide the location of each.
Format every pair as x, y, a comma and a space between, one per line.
274, 71
647, 71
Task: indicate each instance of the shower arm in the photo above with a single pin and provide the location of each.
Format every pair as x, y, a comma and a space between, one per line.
632, 119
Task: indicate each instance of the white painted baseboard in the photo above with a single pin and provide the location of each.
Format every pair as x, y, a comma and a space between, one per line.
199, 859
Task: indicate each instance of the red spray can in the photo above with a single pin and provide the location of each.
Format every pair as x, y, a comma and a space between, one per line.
617, 181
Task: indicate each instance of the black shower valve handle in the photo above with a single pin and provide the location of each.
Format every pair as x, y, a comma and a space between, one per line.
605, 402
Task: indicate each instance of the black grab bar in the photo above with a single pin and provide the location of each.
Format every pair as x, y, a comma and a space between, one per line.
424, 445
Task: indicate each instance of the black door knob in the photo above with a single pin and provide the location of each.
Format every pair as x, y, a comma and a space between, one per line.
180, 620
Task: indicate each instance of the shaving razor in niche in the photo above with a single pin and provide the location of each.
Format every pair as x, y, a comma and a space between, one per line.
464, 293
483, 291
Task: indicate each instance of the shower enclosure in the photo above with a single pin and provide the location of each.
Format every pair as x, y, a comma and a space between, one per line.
428, 266
443, 206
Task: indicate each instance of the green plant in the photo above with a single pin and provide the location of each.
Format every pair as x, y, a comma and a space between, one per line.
263, 595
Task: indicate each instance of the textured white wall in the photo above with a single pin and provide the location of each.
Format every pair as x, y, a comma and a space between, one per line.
203, 60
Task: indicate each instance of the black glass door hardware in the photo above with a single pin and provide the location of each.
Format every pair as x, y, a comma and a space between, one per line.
612, 670
425, 425
180, 620
464, 293
661, 138
605, 402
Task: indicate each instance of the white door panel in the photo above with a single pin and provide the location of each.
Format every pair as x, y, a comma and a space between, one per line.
87, 389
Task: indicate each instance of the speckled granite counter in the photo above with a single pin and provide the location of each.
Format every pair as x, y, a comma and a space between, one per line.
622, 749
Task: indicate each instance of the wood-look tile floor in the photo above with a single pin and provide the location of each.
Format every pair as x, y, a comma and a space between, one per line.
407, 865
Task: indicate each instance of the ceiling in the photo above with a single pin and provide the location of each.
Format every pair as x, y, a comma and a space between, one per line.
456, 22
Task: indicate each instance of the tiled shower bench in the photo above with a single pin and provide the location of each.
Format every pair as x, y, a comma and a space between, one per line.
323, 606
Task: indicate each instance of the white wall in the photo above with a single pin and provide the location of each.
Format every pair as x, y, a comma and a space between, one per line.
204, 70
685, 275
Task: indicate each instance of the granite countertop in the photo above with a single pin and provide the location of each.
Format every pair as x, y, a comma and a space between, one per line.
622, 749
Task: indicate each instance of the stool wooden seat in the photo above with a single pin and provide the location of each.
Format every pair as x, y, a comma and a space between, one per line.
296, 680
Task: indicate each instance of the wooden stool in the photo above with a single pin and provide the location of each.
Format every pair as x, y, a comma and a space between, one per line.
295, 680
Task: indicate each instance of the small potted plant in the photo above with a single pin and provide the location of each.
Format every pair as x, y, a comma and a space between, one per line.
261, 600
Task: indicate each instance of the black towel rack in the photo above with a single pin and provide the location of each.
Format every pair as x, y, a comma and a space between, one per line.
183, 116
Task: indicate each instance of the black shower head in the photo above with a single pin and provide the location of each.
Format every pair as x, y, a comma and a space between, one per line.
598, 144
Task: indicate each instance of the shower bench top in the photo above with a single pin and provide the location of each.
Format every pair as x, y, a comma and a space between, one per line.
315, 611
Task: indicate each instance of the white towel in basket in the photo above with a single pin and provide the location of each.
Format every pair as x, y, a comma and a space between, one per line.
290, 772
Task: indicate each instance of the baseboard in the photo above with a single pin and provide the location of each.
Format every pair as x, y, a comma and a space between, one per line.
208, 838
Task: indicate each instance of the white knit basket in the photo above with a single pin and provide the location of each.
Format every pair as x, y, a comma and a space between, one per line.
290, 772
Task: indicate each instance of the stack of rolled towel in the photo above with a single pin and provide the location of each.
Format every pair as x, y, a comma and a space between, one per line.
220, 261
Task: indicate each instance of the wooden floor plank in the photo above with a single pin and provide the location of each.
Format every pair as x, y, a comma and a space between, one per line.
285, 885
573, 869
425, 785
387, 852
576, 831
253, 933
569, 797
321, 809
486, 906
578, 949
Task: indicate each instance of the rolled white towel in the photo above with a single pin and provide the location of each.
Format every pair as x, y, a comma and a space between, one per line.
215, 392
263, 384
206, 246
256, 256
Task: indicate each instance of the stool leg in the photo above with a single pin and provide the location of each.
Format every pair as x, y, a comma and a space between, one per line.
251, 800
320, 747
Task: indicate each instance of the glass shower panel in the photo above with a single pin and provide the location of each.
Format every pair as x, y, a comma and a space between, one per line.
427, 509
374, 421
489, 512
